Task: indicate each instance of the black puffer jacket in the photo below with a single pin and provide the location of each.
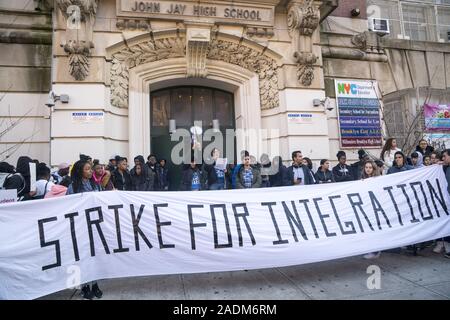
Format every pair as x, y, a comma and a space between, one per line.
146, 180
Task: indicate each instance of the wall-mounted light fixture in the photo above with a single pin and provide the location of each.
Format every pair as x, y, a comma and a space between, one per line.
355, 12
172, 126
216, 125
52, 98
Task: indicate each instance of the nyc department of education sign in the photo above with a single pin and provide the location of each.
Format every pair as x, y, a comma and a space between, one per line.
211, 11
359, 114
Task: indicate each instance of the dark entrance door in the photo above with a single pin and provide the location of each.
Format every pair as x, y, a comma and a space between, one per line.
186, 105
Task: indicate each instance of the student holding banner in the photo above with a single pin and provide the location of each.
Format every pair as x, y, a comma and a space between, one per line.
248, 177
399, 164
446, 240
370, 170
81, 182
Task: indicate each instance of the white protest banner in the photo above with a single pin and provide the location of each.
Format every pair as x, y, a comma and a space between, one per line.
8, 196
123, 234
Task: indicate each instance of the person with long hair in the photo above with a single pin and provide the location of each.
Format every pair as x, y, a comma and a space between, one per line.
387, 154
101, 177
81, 175
370, 170
399, 164
324, 174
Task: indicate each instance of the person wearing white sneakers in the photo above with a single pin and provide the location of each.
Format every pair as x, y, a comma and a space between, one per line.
446, 158
370, 170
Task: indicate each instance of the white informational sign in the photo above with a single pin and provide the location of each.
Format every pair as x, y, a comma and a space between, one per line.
32, 176
53, 244
300, 118
221, 163
88, 116
8, 196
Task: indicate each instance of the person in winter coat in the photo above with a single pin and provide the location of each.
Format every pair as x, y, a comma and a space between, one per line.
370, 170
342, 172
424, 148
298, 173
81, 175
142, 177
163, 175
23, 167
192, 177
153, 165
120, 177
215, 175
279, 175
357, 167
265, 169
10, 179
416, 160
248, 177
101, 177
399, 164
324, 174
59, 190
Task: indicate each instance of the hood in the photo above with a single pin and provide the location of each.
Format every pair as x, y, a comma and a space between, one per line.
56, 191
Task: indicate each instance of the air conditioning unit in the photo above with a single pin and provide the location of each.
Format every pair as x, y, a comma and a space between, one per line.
380, 26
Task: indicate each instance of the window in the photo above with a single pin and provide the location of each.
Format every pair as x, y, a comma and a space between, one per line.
394, 120
444, 23
414, 18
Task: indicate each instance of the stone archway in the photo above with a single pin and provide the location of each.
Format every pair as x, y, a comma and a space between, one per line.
226, 48
141, 63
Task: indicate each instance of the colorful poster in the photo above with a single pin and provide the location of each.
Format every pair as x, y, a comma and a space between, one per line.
439, 141
437, 117
359, 114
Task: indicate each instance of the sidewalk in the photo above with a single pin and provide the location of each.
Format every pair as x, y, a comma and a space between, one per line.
403, 276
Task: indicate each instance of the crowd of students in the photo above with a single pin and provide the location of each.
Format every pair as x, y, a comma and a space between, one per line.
88, 175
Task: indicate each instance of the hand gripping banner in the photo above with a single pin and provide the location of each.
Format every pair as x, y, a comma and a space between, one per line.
53, 244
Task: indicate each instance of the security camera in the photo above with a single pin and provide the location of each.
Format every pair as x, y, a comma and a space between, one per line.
51, 100
52, 97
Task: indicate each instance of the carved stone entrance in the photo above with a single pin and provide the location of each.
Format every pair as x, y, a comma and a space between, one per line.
246, 68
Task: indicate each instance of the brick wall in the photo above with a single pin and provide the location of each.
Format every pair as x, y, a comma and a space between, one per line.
346, 6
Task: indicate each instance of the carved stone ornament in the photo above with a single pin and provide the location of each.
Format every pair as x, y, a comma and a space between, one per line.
123, 61
303, 17
80, 16
197, 47
78, 58
88, 8
160, 49
305, 71
368, 41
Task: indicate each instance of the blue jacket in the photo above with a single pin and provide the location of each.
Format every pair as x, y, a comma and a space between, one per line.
395, 169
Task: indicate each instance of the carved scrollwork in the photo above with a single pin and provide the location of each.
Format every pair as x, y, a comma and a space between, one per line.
252, 60
78, 58
305, 67
303, 17
152, 50
166, 48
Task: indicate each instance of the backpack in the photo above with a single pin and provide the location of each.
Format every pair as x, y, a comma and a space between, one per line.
3, 177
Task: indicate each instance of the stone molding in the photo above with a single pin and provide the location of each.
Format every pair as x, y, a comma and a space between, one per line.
175, 46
